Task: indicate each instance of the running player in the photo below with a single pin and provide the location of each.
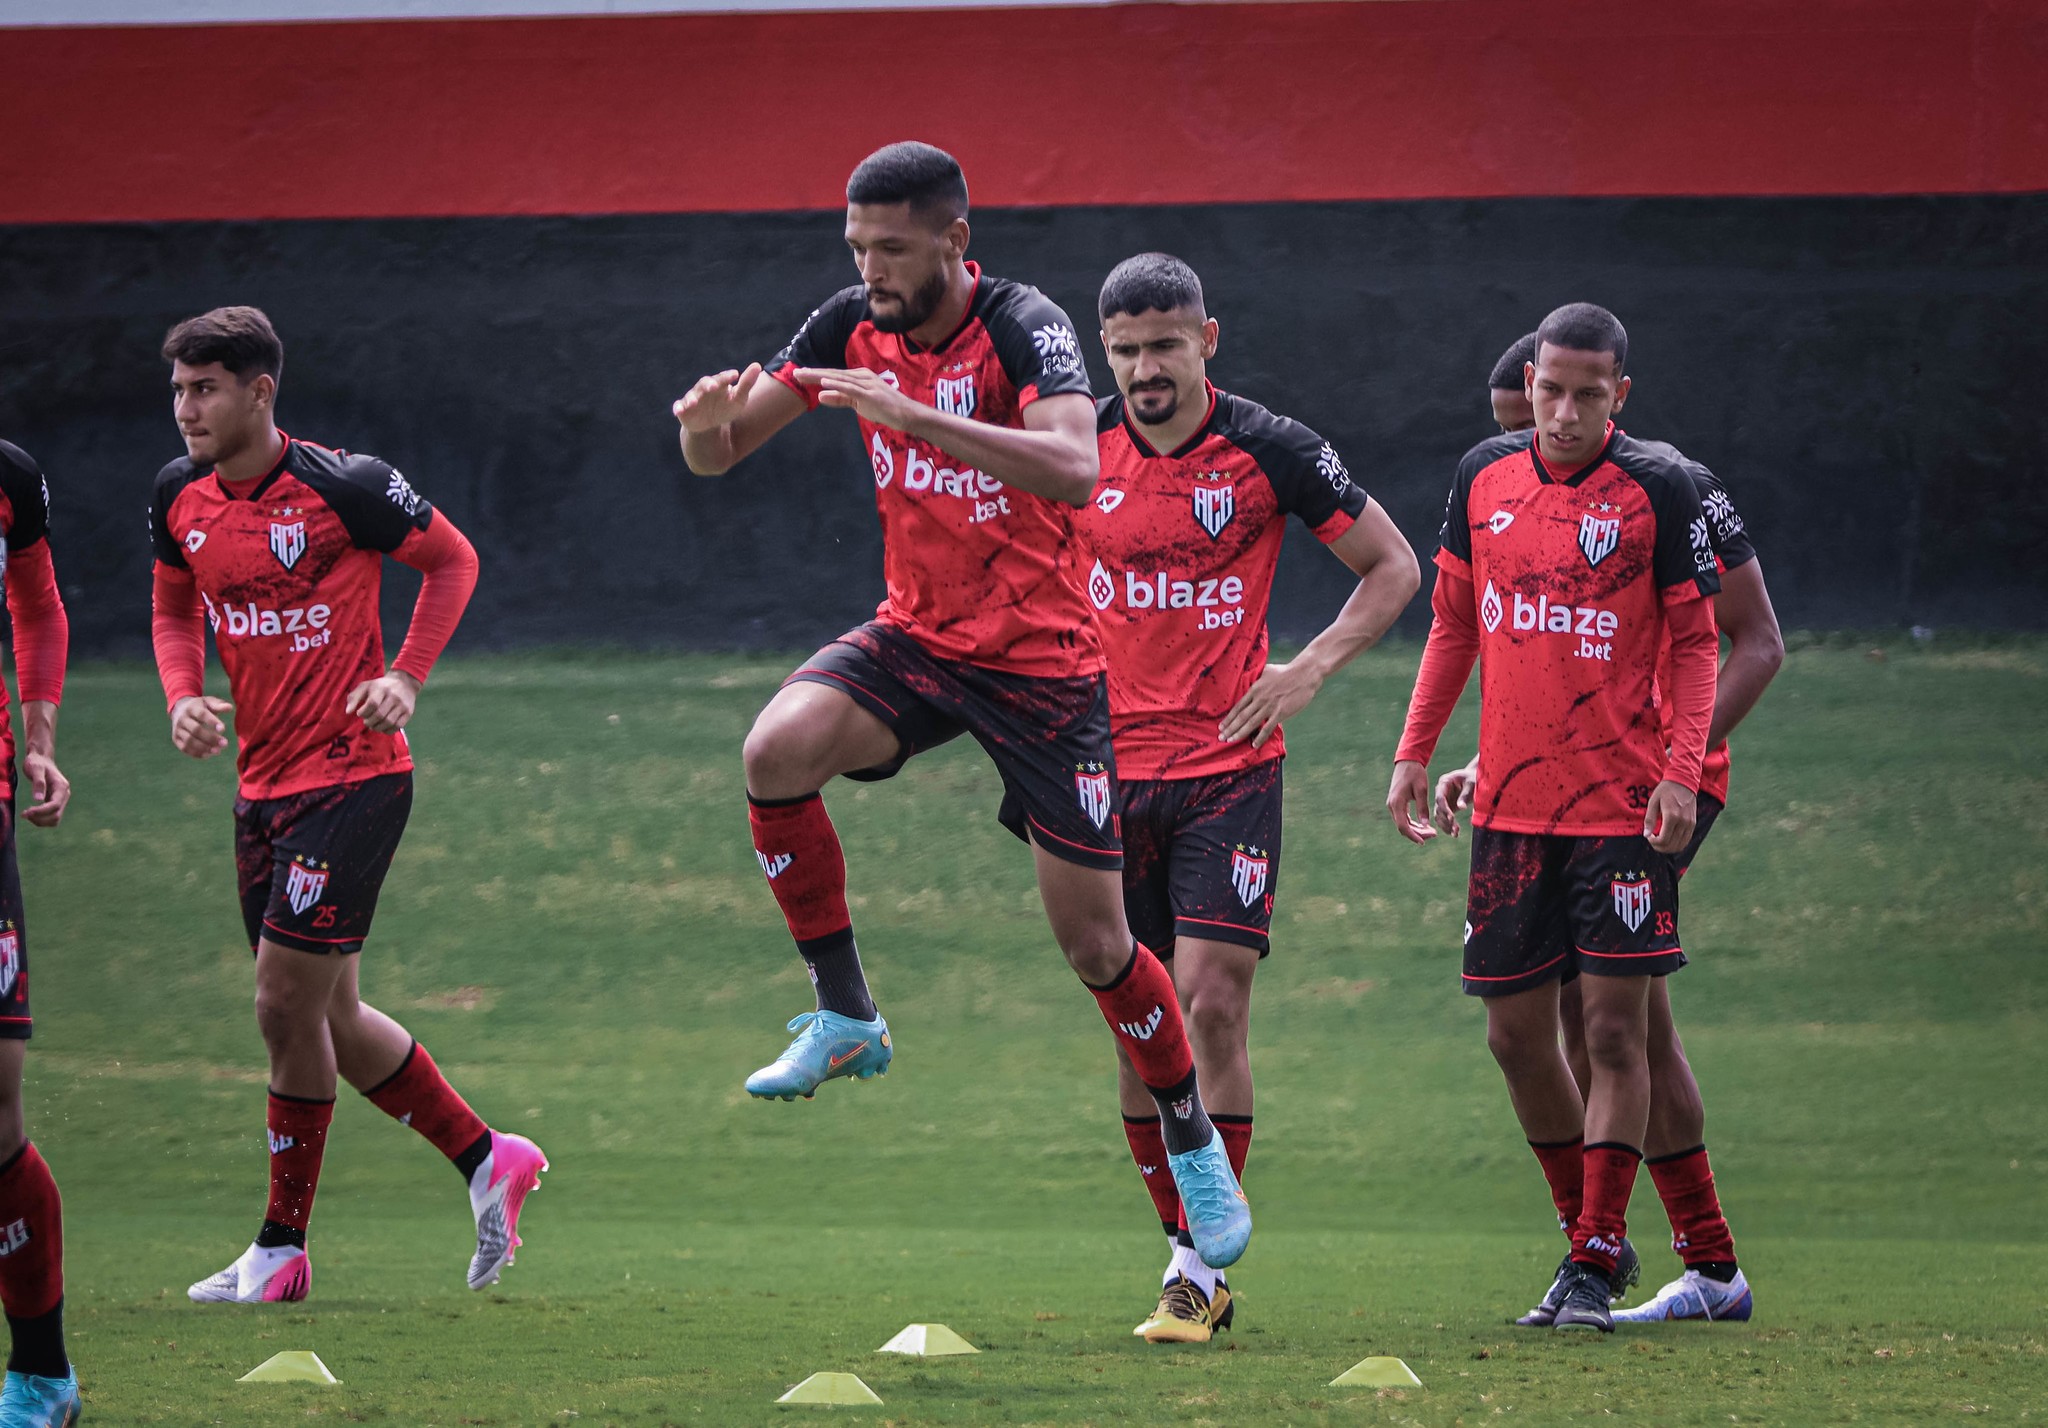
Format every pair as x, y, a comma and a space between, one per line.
1185, 531
41, 1389
279, 544
977, 421
1574, 561
1713, 1285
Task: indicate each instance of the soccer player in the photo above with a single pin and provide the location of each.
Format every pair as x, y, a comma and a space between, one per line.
1713, 1285
279, 544
1185, 531
1574, 560
978, 424
41, 1389
1507, 386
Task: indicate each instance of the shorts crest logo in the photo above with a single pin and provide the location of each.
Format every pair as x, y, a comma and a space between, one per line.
303, 885
773, 865
1248, 867
1101, 587
1092, 785
287, 542
13, 1237
1631, 899
1214, 505
1598, 537
10, 961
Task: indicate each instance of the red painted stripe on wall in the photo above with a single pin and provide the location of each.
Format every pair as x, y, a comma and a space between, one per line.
1132, 104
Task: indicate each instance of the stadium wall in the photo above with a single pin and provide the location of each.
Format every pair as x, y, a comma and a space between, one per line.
497, 249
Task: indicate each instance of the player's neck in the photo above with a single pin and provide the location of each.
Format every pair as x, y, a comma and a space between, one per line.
950, 313
255, 459
1188, 418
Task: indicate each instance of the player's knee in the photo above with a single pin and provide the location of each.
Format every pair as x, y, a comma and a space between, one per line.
780, 761
1097, 954
1515, 1045
1614, 1039
1218, 1021
283, 1016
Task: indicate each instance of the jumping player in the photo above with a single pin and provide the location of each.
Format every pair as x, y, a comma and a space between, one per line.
978, 424
1573, 561
1185, 532
1713, 1285
279, 545
41, 1389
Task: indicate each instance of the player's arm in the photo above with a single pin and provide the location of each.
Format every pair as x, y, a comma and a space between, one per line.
1454, 794
1756, 648
1054, 455
448, 565
1683, 565
1447, 660
729, 415
42, 634
177, 630
1380, 556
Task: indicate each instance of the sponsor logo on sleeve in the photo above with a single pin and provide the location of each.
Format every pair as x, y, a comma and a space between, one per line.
401, 494
1702, 545
1721, 511
1632, 899
1331, 467
1058, 353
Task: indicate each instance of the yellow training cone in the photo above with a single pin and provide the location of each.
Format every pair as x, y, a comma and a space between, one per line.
843, 1389
928, 1340
1377, 1373
291, 1366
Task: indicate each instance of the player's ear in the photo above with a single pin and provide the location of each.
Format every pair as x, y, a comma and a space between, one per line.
1621, 393
955, 237
1210, 332
263, 388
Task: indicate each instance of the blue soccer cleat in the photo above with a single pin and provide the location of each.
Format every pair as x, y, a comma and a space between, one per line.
827, 1045
32, 1402
1693, 1297
1219, 1217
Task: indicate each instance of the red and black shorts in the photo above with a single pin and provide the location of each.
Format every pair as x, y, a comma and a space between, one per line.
1202, 857
16, 1024
1048, 737
1545, 907
311, 864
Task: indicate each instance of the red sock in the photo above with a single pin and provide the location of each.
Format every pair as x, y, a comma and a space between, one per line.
799, 851
1143, 1010
1685, 1183
1237, 1144
418, 1095
1610, 1177
31, 1237
298, 1137
1564, 1166
1148, 1149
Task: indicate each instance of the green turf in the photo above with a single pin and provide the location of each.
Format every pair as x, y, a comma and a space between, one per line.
577, 928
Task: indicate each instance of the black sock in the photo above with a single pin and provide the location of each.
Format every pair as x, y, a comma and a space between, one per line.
835, 971
1183, 1124
276, 1236
39, 1345
472, 1159
1721, 1271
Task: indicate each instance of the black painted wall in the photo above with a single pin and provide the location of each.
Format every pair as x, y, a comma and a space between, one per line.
1863, 372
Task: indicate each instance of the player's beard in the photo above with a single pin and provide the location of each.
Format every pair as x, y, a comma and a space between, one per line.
917, 308
1155, 416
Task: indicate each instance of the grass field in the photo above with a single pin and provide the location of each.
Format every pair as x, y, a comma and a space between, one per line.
577, 928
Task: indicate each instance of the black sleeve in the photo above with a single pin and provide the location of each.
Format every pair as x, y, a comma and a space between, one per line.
1456, 535
374, 500
28, 493
1036, 343
169, 482
821, 341
1305, 471
1729, 537
1685, 548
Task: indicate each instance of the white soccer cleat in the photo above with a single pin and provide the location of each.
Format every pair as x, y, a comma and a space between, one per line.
497, 1192
261, 1276
1694, 1296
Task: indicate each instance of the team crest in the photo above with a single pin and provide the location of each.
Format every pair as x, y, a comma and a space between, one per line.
1214, 505
303, 886
10, 961
1248, 874
954, 395
287, 542
1598, 537
1631, 899
1092, 784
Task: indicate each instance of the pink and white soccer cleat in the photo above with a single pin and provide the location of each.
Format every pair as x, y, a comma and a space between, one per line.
261, 1276
497, 1192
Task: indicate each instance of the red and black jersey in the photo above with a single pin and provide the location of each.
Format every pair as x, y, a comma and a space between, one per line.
1732, 548
290, 569
976, 571
41, 630
1184, 544
1566, 583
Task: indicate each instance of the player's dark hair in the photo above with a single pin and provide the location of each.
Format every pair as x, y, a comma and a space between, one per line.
1585, 328
1507, 373
1150, 282
927, 179
241, 339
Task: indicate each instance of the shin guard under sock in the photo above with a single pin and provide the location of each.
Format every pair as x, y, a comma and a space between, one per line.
799, 852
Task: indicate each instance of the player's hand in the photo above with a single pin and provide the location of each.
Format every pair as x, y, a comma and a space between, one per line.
1454, 792
1279, 694
51, 789
385, 704
1669, 820
716, 399
1408, 801
196, 727
863, 392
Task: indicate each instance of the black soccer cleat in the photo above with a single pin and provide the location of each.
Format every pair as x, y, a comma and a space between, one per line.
1628, 1268
1588, 1302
